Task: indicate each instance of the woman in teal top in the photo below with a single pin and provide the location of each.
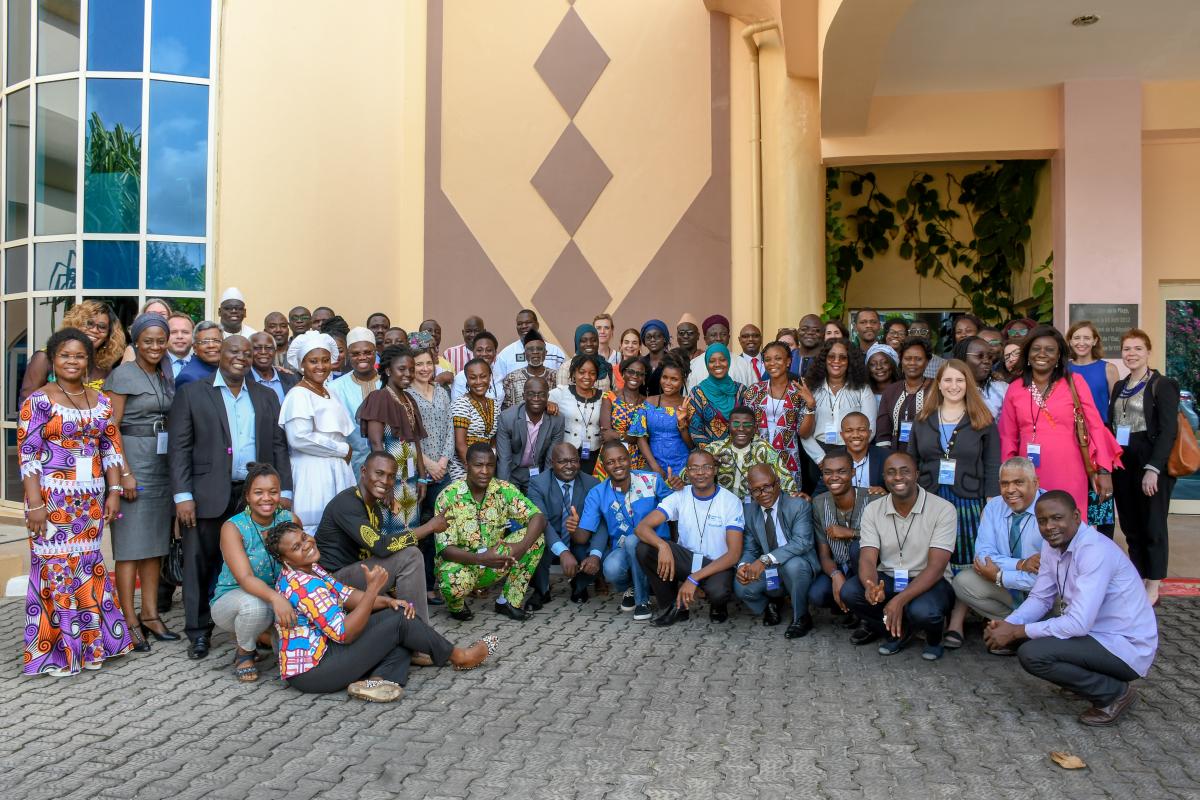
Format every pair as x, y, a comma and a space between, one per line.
245, 601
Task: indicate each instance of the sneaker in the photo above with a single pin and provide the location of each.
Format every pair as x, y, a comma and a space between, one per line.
375, 691
933, 652
627, 603
892, 646
640, 612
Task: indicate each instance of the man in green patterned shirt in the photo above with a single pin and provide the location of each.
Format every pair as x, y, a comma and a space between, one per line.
493, 533
741, 450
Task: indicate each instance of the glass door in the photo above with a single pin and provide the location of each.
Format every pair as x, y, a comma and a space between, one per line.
1182, 362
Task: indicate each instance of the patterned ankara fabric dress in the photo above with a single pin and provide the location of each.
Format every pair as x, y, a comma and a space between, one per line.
779, 420
480, 421
72, 619
402, 434
621, 416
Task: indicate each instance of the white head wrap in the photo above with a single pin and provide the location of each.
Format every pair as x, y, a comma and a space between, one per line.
359, 334
232, 293
886, 349
308, 341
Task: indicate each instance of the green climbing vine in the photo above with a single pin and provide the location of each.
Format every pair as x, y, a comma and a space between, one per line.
996, 201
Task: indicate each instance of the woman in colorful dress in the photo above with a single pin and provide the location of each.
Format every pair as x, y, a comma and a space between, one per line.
1087, 359
317, 427
617, 412
71, 465
473, 415
100, 324
782, 406
714, 398
391, 422
1037, 421
661, 424
578, 402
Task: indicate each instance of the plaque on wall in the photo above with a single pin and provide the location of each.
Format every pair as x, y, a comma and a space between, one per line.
1111, 319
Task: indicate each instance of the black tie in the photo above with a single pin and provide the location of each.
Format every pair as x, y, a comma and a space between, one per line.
772, 538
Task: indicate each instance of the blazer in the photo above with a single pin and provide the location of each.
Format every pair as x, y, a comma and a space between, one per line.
199, 457
793, 517
1160, 403
976, 455
547, 496
511, 438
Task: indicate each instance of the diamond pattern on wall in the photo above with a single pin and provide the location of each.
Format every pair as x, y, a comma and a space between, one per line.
571, 279
571, 63
571, 178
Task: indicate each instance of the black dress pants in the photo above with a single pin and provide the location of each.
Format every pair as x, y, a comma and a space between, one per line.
718, 588
202, 564
1143, 519
1080, 664
384, 648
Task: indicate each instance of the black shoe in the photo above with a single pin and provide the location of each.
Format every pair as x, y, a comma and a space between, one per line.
670, 617
771, 616
800, 628
464, 615
198, 648
167, 635
511, 611
140, 645
863, 635
847, 621
537, 600
718, 614
581, 596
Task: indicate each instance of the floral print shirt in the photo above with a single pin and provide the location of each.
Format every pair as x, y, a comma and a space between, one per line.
502, 516
319, 600
733, 464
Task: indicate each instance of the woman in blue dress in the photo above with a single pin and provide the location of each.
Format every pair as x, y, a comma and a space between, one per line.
660, 425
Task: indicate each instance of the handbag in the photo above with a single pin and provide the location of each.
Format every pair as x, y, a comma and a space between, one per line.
1081, 431
172, 563
1185, 453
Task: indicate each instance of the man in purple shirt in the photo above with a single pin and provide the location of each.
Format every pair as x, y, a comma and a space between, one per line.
1101, 633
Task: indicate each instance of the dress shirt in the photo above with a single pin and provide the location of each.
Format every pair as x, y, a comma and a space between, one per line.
756, 366
1104, 597
274, 383
178, 362
800, 363
457, 356
993, 396
513, 357
862, 472
904, 542
245, 330
529, 457
992, 542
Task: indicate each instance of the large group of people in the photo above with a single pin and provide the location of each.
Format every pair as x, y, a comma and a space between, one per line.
327, 484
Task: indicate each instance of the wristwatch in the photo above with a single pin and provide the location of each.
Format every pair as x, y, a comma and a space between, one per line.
766, 560
1000, 578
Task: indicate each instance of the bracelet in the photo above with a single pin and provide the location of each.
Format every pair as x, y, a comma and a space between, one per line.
115, 489
35, 508
126, 474
693, 581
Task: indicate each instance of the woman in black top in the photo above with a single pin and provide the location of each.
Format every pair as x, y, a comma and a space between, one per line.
1143, 412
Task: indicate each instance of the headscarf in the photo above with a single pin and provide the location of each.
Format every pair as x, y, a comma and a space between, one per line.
657, 325
721, 393
886, 349
358, 336
152, 320
308, 341
602, 366
715, 319
420, 341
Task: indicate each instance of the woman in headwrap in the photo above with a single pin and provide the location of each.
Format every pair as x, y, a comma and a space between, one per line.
655, 337
141, 391
316, 425
714, 398
883, 364
587, 343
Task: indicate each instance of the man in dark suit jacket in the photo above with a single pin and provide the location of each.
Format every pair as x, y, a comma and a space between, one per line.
516, 460
549, 492
216, 426
778, 547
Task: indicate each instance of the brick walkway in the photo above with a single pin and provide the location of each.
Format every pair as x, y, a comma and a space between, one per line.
584, 702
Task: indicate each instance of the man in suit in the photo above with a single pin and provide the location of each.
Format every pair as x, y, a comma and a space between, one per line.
216, 426
264, 370
560, 495
778, 555
526, 435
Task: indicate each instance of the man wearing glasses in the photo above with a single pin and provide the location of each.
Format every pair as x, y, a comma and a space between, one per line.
778, 559
741, 450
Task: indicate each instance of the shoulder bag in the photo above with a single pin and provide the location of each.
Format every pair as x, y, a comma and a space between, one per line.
1185, 452
1081, 432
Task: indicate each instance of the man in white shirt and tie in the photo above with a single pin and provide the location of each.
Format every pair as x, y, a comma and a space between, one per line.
179, 341
751, 339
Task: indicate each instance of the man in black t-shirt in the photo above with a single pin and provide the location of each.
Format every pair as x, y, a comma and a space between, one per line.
350, 535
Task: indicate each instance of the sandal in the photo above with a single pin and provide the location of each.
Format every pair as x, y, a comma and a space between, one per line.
375, 691
421, 660
245, 674
952, 640
493, 644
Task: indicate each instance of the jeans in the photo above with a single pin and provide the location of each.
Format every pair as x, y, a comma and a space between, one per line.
620, 563
820, 594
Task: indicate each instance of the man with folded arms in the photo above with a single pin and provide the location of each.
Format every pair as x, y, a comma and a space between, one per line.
1102, 634
1007, 549
778, 558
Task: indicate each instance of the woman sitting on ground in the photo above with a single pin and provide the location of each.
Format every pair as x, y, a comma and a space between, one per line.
341, 634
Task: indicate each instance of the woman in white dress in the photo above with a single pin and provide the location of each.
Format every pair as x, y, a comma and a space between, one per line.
317, 426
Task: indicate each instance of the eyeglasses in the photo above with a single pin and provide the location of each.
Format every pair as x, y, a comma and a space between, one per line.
756, 491
994, 342
702, 468
742, 426
536, 395
209, 340
98, 327
918, 331
836, 358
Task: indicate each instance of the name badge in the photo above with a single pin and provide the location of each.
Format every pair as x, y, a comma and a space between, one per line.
1034, 453
620, 542
411, 466
1123, 435
946, 472
900, 579
697, 561
585, 452
161, 445
624, 527
831, 435
905, 431
534, 472
747, 499
1059, 608
772, 576
83, 468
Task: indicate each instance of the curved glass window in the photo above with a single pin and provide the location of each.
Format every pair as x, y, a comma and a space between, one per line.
179, 38
110, 265
177, 167
16, 166
175, 266
56, 160
58, 36
115, 35
112, 156
18, 41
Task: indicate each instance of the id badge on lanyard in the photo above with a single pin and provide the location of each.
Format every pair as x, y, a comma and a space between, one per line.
899, 580
1034, 453
697, 561
161, 444
772, 576
905, 431
946, 472
1123, 432
83, 468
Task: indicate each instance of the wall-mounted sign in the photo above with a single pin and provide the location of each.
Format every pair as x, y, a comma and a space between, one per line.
1111, 319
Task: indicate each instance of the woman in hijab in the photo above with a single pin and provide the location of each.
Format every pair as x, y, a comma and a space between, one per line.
587, 343
317, 427
714, 398
656, 338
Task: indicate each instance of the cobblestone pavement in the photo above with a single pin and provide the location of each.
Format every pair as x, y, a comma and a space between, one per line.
584, 702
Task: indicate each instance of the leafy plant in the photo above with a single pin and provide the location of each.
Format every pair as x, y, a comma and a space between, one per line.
1041, 294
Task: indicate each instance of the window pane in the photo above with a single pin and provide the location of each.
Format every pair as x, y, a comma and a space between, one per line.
179, 35
178, 159
58, 36
17, 169
14, 490
115, 34
110, 265
1183, 364
48, 313
192, 306
16, 354
112, 156
126, 309
16, 269
54, 266
175, 266
18, 40
56, 157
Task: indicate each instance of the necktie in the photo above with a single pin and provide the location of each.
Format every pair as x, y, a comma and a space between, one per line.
769, 527
1015, 524
566, 487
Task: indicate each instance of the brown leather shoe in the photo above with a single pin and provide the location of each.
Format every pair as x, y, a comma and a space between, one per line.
1101, 717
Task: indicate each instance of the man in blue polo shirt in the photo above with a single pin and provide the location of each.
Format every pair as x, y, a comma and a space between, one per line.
620, 502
